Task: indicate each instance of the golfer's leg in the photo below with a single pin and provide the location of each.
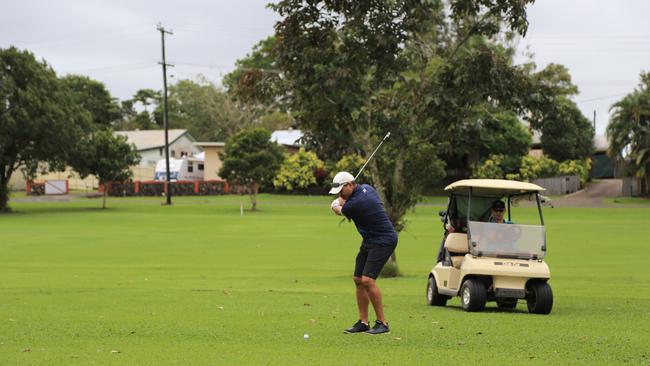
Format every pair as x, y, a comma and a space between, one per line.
377, 257
373, 293
362, 295
362, 300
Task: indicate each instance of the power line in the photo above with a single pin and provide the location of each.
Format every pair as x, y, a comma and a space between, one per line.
118, 68
85, 36
601, 98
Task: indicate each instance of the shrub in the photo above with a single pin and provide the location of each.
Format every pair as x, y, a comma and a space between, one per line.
542, 167
581, 168
490, 168
299, 170
351, 164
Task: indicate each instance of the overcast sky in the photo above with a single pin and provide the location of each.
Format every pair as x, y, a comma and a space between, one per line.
604, 43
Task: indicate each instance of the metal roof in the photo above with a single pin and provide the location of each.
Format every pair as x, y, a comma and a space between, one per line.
287, 137
152, 139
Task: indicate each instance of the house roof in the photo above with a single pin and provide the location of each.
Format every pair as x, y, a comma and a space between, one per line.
209, 144
287, 137
153, 139
601, 144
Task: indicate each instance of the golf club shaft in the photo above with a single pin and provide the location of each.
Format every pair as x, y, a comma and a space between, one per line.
371, 155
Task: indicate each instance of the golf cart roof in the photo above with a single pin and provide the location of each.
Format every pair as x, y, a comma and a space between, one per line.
493, 187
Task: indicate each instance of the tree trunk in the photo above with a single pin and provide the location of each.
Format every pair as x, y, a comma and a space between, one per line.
253, 189
5, 177
104, 199
4, 194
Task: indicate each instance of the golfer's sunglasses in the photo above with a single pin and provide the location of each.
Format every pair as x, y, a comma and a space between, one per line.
336, 185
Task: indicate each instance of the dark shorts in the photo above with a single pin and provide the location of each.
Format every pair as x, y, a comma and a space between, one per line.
371, 259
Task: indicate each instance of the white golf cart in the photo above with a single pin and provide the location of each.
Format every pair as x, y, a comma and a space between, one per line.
484, 261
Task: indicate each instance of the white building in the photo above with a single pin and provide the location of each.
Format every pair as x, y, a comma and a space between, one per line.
150, 144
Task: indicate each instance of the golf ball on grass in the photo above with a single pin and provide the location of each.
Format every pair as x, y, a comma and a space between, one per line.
306, 336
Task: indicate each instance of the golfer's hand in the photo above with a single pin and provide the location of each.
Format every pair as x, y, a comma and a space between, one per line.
336, 206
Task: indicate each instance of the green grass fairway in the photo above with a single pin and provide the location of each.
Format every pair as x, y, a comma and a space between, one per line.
196, 284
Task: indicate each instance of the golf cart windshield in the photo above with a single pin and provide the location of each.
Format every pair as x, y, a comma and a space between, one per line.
507, 240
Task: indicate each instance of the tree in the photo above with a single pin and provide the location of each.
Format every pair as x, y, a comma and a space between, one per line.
299, 170
39, 121
138, 112
355, 70
558, 79
566, 133
209, 113
107, 156
93, 97
251, 159
489, 131
629, 130
256, 78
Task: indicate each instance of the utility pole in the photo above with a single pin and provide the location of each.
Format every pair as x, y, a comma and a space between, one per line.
164, 64
594, 120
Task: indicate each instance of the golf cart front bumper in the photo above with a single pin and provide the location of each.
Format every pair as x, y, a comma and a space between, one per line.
510, 293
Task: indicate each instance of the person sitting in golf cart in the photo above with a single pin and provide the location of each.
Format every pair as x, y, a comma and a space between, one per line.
498, 212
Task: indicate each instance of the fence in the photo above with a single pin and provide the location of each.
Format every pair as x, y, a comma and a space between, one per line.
559, 185
179, 188
632, 187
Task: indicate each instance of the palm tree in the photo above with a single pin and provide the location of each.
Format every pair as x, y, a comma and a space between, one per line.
629, 130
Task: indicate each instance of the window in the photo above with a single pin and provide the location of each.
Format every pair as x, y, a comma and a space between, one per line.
160, 151
201, 167
190, 168
173, 154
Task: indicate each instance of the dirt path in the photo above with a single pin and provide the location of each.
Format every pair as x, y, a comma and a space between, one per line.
592, 195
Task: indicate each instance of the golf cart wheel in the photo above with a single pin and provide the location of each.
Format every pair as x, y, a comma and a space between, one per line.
507, 303
434, 298
473, 295
539, 297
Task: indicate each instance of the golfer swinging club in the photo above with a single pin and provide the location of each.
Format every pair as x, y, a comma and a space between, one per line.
361, 204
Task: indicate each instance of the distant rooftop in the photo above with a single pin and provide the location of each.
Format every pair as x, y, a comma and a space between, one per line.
601, 143
152, 139
209, 144
287, 137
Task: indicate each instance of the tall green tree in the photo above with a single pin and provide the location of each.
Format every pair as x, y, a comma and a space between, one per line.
628, 130
251, 159
107, 156
358, 69
39, 120
566, 133
558, 79
93, 96
355, 70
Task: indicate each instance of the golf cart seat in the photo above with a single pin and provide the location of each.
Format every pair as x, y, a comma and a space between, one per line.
456, 247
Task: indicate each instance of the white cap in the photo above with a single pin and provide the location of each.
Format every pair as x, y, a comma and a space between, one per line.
339, 181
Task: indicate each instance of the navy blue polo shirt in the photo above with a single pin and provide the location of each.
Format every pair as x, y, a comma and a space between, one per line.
367, 211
